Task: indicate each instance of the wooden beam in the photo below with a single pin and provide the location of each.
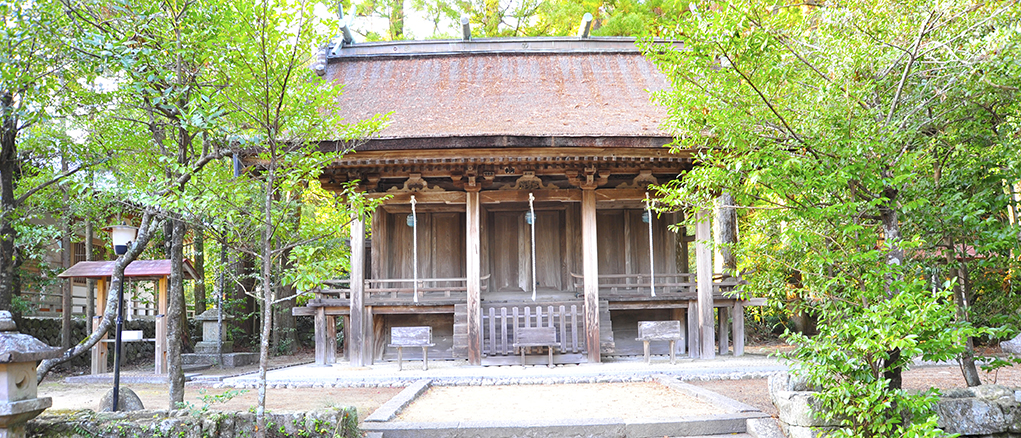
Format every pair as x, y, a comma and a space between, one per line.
548, 195
621, 195
474, 275
590, 266
360, 351
450, 197
424, 208
704, 273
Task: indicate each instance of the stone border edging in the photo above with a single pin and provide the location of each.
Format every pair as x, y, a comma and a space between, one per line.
705, 395
691, 426
389, 410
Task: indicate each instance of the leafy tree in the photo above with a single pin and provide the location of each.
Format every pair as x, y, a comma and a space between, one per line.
824, 119
38, 85
276, 104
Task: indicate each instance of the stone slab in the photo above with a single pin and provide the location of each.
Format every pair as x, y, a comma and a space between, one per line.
389, 410
705, 395
763, 428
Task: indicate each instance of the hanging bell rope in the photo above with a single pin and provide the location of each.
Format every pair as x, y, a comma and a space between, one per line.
652, 259
414, 240
531, 211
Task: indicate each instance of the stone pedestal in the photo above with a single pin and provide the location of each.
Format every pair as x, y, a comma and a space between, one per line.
18, 356
210, 332
206, 350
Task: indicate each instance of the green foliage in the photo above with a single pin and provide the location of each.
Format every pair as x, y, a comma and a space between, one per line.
862, 138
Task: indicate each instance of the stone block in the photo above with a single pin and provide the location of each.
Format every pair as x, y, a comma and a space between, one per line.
1012, 346
797, 408
127, 401
971, 416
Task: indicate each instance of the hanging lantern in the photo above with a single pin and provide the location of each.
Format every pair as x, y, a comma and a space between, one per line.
646, 217
529, 218
411, 220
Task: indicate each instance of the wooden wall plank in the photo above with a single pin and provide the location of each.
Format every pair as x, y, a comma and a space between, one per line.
548, 259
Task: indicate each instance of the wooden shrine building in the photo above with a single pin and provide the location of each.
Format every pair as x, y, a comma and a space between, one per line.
517, 174
157, 271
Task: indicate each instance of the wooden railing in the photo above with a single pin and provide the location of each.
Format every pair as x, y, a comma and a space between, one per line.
402, 290
669, 286
499, 323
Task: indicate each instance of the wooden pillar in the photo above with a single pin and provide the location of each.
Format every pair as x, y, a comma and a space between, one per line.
474, 274
346, 319
99, 350
361, 348
738, 317
161, 326
724, 318
704, 262
694, 337
320, 336
590, 266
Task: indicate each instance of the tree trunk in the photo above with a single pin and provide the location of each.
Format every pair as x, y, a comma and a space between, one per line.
144, 235
728, 233
66, 298
9, 166
962, 295
175, 314
895, 257
267, 296
90, 284
199, 290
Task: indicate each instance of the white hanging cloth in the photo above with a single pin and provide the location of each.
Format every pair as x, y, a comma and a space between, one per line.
414, 240
652, 259
531, 210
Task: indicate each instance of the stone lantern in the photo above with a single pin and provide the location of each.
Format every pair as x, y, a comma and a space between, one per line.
19, 354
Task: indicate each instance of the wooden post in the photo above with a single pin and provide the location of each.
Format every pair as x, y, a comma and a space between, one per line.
738, 317
331, 339
361, 350
590, 266
474, 274
694, 337
99, 350
161, 326
704, 272
724, 317
320, 336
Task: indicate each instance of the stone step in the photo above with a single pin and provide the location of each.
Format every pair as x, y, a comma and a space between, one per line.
717, 426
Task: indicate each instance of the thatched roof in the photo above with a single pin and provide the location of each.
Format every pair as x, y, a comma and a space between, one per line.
535, 87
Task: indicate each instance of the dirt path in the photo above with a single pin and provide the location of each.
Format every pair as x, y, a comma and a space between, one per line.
366, 400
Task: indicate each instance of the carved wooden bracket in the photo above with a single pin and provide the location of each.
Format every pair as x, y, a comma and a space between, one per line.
415, 183
527, 181
589, 179
642, 181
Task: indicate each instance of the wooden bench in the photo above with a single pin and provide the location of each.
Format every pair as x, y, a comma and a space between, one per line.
401, 337
649, 331
525, 337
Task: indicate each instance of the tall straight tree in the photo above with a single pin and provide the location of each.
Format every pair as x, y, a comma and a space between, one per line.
823, 117
163, 62
279, 107
36, 85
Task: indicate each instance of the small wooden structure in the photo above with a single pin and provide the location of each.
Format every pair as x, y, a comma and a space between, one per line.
670, 331
138, 270
417, 337
516, 177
